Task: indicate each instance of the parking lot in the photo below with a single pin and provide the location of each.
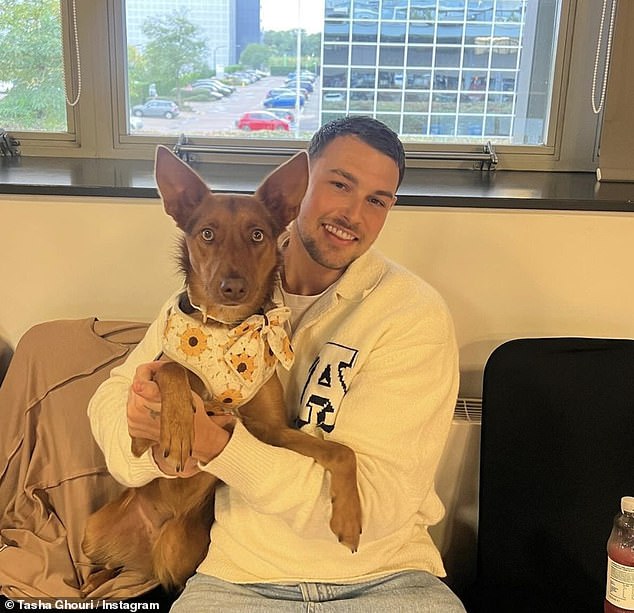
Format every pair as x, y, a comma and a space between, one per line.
219, 116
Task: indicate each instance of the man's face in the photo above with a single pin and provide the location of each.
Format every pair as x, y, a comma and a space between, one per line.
351, 189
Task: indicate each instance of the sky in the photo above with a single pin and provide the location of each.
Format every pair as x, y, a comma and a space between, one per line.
282, 14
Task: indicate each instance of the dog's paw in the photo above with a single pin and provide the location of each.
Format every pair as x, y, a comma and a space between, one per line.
345, 521
176, 442
176, 437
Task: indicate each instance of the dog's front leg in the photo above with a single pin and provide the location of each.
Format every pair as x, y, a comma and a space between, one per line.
340, 461
177, 414
265, 417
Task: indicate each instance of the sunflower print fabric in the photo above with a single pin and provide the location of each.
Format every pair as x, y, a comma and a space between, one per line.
233, 362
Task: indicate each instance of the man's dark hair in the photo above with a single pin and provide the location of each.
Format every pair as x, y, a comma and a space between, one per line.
369, 130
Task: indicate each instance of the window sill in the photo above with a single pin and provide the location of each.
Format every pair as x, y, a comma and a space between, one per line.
421, 187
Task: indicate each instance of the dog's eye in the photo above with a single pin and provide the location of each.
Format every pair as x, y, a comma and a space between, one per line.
207, 234
257, 236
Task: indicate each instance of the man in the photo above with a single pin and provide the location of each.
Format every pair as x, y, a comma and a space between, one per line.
375, 351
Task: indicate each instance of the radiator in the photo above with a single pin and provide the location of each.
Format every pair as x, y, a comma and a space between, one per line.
457, 484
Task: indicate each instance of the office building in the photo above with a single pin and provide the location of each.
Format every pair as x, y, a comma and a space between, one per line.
436, 68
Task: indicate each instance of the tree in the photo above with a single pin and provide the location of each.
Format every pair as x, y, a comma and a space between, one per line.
283, 47
281, 43
138, 78
311, 44
255, 56
31, 59
175, 50
284, 43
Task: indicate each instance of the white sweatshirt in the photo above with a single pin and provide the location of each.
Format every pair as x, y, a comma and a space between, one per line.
376, 368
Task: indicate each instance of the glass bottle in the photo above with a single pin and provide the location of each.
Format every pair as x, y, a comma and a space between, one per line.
619, 593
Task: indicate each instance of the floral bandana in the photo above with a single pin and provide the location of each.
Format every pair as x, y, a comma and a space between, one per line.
232, 362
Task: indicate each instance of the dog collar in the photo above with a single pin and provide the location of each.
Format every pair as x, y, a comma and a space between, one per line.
187, 305
228, 356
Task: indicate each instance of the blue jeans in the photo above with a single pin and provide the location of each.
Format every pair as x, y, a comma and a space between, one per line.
402, 592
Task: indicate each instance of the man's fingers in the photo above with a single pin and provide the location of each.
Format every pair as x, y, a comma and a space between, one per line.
148, 390
143, 383
149, 369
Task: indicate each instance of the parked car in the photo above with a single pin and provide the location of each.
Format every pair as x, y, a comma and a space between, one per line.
205, 93
333, 97
307, 85
261, 120
303, 74
283, 114
156, 107
242, 78
278, 91
287, 101
214, 85
217, 81
209, 87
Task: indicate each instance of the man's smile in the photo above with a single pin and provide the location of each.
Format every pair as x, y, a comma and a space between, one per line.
340, 232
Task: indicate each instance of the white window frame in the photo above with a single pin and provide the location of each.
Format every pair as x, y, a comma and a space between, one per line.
98, 125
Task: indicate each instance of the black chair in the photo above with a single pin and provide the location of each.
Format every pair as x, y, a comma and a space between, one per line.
557, 454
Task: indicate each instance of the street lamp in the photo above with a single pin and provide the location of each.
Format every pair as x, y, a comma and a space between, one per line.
215, 65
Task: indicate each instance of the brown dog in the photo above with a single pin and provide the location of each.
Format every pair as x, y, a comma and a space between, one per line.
230, 261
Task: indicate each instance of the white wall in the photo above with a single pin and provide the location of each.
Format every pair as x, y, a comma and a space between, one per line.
508, 274
504, 274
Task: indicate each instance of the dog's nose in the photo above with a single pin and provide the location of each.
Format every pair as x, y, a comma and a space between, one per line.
233, 288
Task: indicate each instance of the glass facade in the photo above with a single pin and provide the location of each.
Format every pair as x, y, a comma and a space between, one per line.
434, 68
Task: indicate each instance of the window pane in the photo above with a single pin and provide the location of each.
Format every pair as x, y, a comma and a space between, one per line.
364, 55
449, 33
416, 102
362, 102
336, 30
419, 56
393, 32
391, 56
389, 101
362, 78
438, 72
421, 33
31, 68
333, 8
336, 54
364, 31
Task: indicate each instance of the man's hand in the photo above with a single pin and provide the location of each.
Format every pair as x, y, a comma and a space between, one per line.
144, 403
211, 433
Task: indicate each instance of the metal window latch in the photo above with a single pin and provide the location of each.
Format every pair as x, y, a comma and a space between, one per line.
8, 144
485, 160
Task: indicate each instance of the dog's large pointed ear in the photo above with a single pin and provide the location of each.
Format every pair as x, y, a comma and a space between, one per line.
181, 189
283, 190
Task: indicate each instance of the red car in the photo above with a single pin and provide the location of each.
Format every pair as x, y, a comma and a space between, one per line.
261, 120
